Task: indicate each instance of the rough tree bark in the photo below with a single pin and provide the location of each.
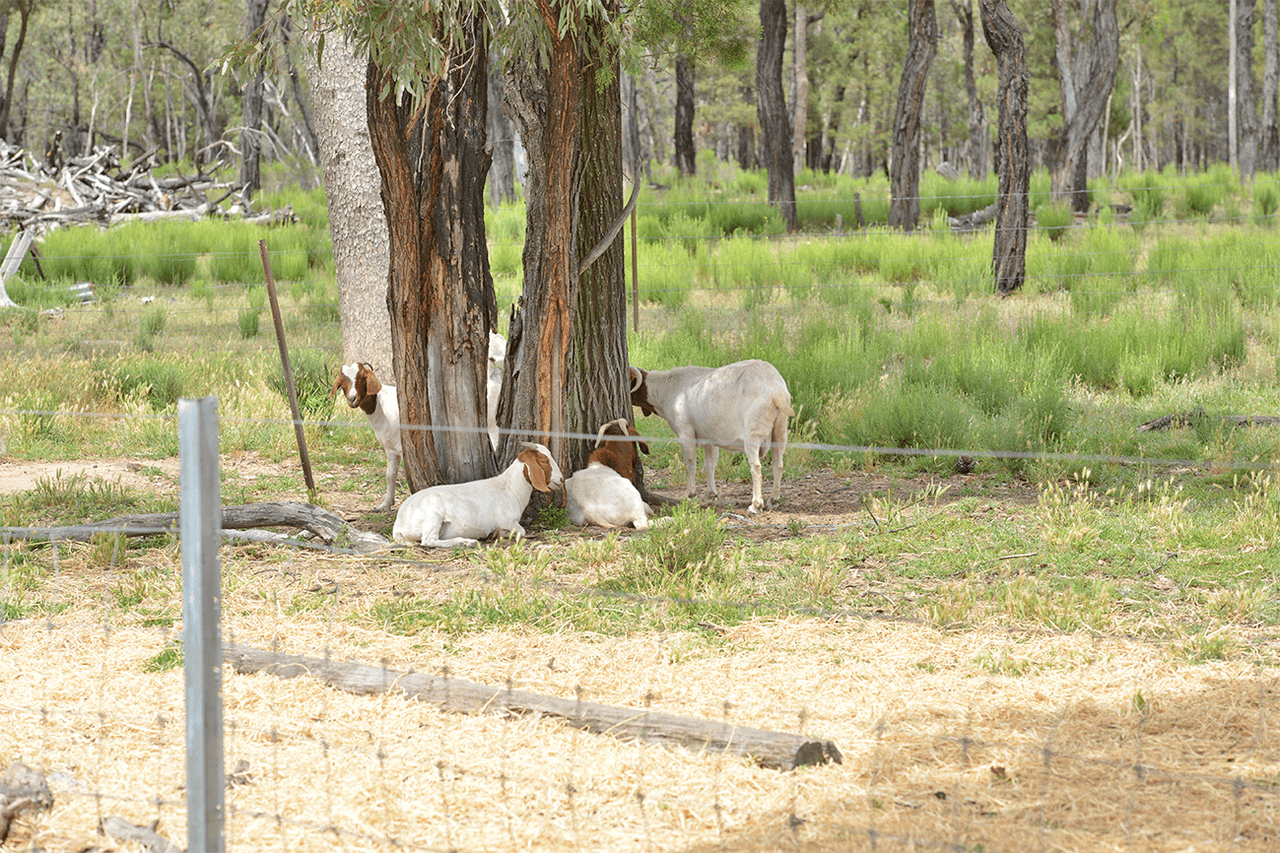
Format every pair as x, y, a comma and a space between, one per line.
566, 370
24, 9
502, 142
685, 159
771, 111
1004, 36
904, 179
1086, 76
352, 188
432, 160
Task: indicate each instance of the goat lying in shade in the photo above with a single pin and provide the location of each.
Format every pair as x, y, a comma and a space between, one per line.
604, 493
464, 513
364, 391
742, 406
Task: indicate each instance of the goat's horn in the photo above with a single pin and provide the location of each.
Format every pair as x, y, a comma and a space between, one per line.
600, 432
637, 376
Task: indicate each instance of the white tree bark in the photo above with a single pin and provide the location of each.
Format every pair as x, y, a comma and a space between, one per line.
353, 189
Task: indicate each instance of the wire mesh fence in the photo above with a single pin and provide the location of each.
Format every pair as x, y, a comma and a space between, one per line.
999, 664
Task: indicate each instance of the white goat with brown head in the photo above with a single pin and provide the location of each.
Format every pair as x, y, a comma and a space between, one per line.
464, 513
363, 390
742, 406
604, 493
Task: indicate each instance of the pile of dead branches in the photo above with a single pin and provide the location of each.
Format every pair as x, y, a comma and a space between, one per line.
40, 195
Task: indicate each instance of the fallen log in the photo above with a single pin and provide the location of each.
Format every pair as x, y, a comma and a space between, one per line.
321, 523
777, 750
1185, 419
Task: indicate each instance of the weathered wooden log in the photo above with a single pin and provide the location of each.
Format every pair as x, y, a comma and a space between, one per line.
121, 830
777, 750
21, 789
322, 523
1184, 419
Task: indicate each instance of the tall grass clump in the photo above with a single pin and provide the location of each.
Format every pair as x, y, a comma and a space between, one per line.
1200, 196
1054, 219
159, 383
684, 550
1148, 191
666, 274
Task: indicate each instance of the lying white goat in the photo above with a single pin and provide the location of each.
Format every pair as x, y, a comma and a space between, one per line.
603, 493
365, 392
742, 406
497, 355
464, 513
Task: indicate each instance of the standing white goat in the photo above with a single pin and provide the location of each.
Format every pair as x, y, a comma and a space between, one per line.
603, 493
464, 513
364, 391
742, 406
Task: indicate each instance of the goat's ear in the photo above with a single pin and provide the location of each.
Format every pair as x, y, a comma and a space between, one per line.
537, 469
337, 384
372, 385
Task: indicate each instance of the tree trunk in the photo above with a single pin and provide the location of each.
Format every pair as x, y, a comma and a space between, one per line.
1269, 136
904, 206
685, 160
977, 148
566, 353
771, 111
631, 150
1004, 36
308, 127
801, 63
1086, 76
24, 14
433, 163
502, 141
251, 109
352, 188
1246, 110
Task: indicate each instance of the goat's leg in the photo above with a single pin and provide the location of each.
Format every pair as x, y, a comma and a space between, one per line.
711, 457
753, 461
393, 467
689, 449
779, 448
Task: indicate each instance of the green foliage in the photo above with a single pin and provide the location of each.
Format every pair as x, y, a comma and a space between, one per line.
159, 382
313, 374
1055, 219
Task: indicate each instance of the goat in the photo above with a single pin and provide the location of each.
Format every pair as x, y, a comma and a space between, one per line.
604, 493
742, 406
464, 513
364, 391
497, 355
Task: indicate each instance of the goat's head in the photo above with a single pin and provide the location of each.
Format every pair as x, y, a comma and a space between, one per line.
621, 456
359, 384
540, 468
497, 349
640, 391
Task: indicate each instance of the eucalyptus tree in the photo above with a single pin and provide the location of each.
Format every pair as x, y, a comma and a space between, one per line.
1086, 55
904, 179
771, 111
1003, 33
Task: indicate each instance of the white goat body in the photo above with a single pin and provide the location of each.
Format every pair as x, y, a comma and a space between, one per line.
464, 513
742, 406
603, 493
364, 391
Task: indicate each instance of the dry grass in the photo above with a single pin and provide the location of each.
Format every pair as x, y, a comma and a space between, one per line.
1098, 743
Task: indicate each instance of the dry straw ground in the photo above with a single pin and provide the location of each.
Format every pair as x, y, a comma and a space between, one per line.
1097, 743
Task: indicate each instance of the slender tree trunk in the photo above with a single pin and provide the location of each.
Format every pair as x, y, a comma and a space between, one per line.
771, 111
352, 188
308, 128
1086, 76
1246, 109
686, 161
1004, 36
432, 159
251, 109
801, 63
502, 142
24, 13
904, 206
1269, 137
632, 154
976, 151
